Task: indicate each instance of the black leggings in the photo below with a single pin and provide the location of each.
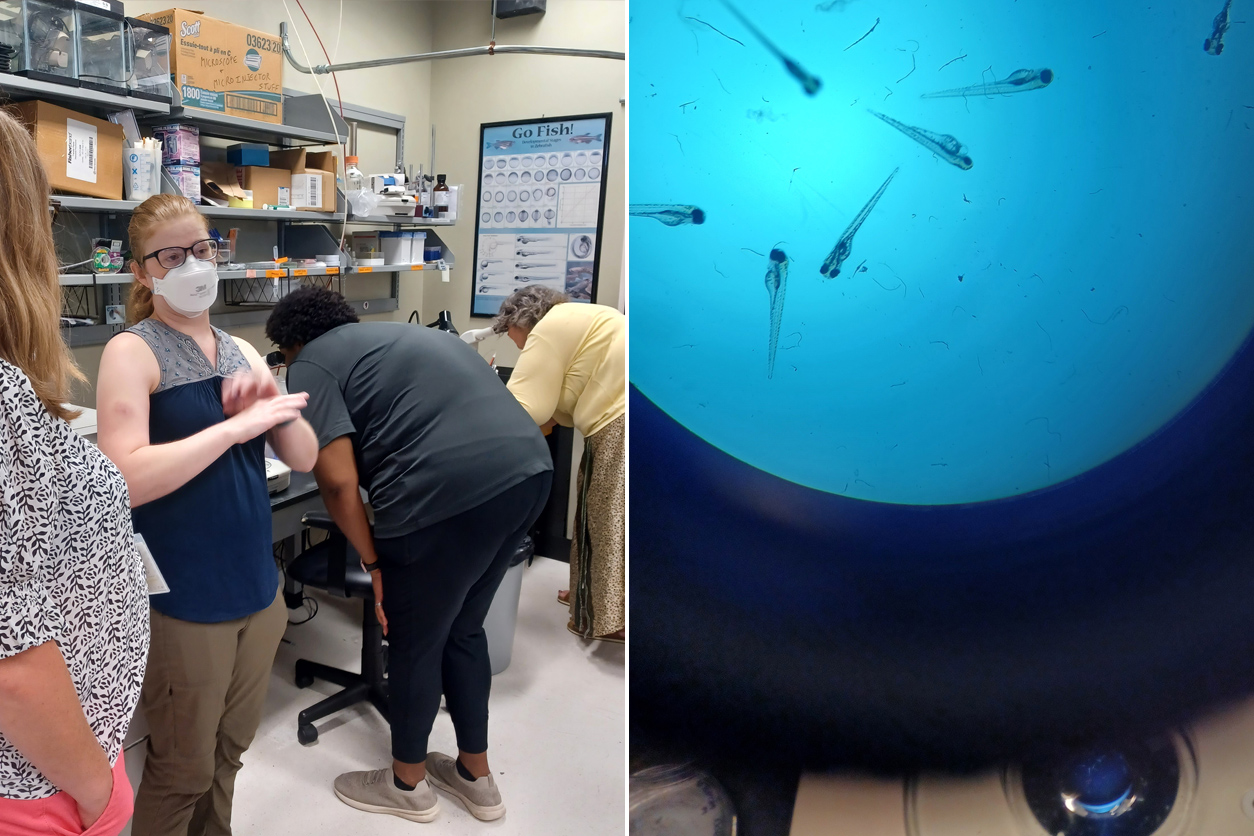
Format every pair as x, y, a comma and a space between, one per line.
438, 584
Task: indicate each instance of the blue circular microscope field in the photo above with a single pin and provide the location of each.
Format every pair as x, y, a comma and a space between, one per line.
996, 486
1012, 325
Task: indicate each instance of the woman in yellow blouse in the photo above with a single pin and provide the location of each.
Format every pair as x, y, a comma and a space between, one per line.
572, 372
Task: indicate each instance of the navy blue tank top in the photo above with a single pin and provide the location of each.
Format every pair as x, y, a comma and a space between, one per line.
211, 537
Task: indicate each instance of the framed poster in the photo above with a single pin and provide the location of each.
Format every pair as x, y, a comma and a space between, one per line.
541, 207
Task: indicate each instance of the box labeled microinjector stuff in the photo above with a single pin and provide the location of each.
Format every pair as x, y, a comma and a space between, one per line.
223, 67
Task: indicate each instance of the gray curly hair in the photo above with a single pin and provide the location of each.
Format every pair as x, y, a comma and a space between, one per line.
524, 308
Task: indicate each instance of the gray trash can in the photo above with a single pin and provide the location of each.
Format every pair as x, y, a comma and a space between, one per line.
502, 618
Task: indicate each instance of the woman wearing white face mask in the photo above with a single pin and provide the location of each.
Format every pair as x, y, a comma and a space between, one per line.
184, 412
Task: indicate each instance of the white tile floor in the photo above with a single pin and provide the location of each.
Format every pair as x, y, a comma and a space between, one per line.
556, 732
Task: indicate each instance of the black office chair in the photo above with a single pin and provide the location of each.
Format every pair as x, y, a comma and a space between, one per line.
333, 566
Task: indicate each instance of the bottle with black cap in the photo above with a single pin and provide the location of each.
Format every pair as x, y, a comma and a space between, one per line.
440, 196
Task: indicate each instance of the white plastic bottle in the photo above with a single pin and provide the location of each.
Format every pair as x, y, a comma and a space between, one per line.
356, 182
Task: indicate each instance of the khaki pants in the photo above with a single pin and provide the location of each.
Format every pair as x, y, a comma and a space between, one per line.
203, 695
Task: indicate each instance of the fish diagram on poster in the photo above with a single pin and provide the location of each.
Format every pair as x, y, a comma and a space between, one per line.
511, 261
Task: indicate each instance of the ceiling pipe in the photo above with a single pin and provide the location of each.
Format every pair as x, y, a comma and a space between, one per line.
325, 69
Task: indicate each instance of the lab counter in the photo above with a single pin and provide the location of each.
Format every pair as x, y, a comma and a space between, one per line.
289, 505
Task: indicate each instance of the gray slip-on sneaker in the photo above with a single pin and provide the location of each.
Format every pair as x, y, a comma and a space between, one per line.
481, 796
374, 792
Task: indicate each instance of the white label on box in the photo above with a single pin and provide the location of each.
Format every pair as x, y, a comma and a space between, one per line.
306, 190
285, 196
80, 150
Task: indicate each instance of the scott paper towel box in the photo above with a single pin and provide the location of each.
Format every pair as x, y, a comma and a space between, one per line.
223, 67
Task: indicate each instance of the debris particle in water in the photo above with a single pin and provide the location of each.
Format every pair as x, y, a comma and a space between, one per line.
716, 29
844, 245
860, 40
913, 66
1122, 309
669, 214
947, 63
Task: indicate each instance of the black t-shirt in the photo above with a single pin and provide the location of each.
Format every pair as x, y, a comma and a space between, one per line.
434, 430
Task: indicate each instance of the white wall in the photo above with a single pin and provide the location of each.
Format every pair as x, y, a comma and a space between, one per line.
466, 92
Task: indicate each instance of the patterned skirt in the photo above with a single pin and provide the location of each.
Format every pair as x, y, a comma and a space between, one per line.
598, 552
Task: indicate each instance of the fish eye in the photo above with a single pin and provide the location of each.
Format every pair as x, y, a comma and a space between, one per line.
967, 162
1047, 76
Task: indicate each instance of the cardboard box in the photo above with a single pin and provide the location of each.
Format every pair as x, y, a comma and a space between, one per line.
265, 184
367, 244
219, 183
312, 178
223, 67
81, 154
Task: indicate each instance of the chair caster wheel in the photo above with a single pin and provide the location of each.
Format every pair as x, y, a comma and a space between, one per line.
306, 733
304, 680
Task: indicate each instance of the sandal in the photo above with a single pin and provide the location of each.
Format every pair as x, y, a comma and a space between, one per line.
612, 638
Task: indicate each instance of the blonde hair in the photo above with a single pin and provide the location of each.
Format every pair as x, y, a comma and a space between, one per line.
148, 216
30, 294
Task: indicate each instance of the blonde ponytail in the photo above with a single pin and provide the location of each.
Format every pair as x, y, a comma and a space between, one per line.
139, 304
147, 217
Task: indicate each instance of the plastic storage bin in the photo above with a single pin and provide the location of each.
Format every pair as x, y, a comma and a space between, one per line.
148, 71
402, 246
103, 49
37, 40
502, 618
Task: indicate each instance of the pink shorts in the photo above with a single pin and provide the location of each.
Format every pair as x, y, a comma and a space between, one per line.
57, 815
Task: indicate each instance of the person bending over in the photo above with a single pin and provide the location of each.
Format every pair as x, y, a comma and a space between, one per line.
457, 474
572, 371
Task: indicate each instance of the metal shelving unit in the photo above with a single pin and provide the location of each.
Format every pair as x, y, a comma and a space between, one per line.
248, 293
18, 87
85, 335
95, 204
222, 126
94, 279
383, 220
